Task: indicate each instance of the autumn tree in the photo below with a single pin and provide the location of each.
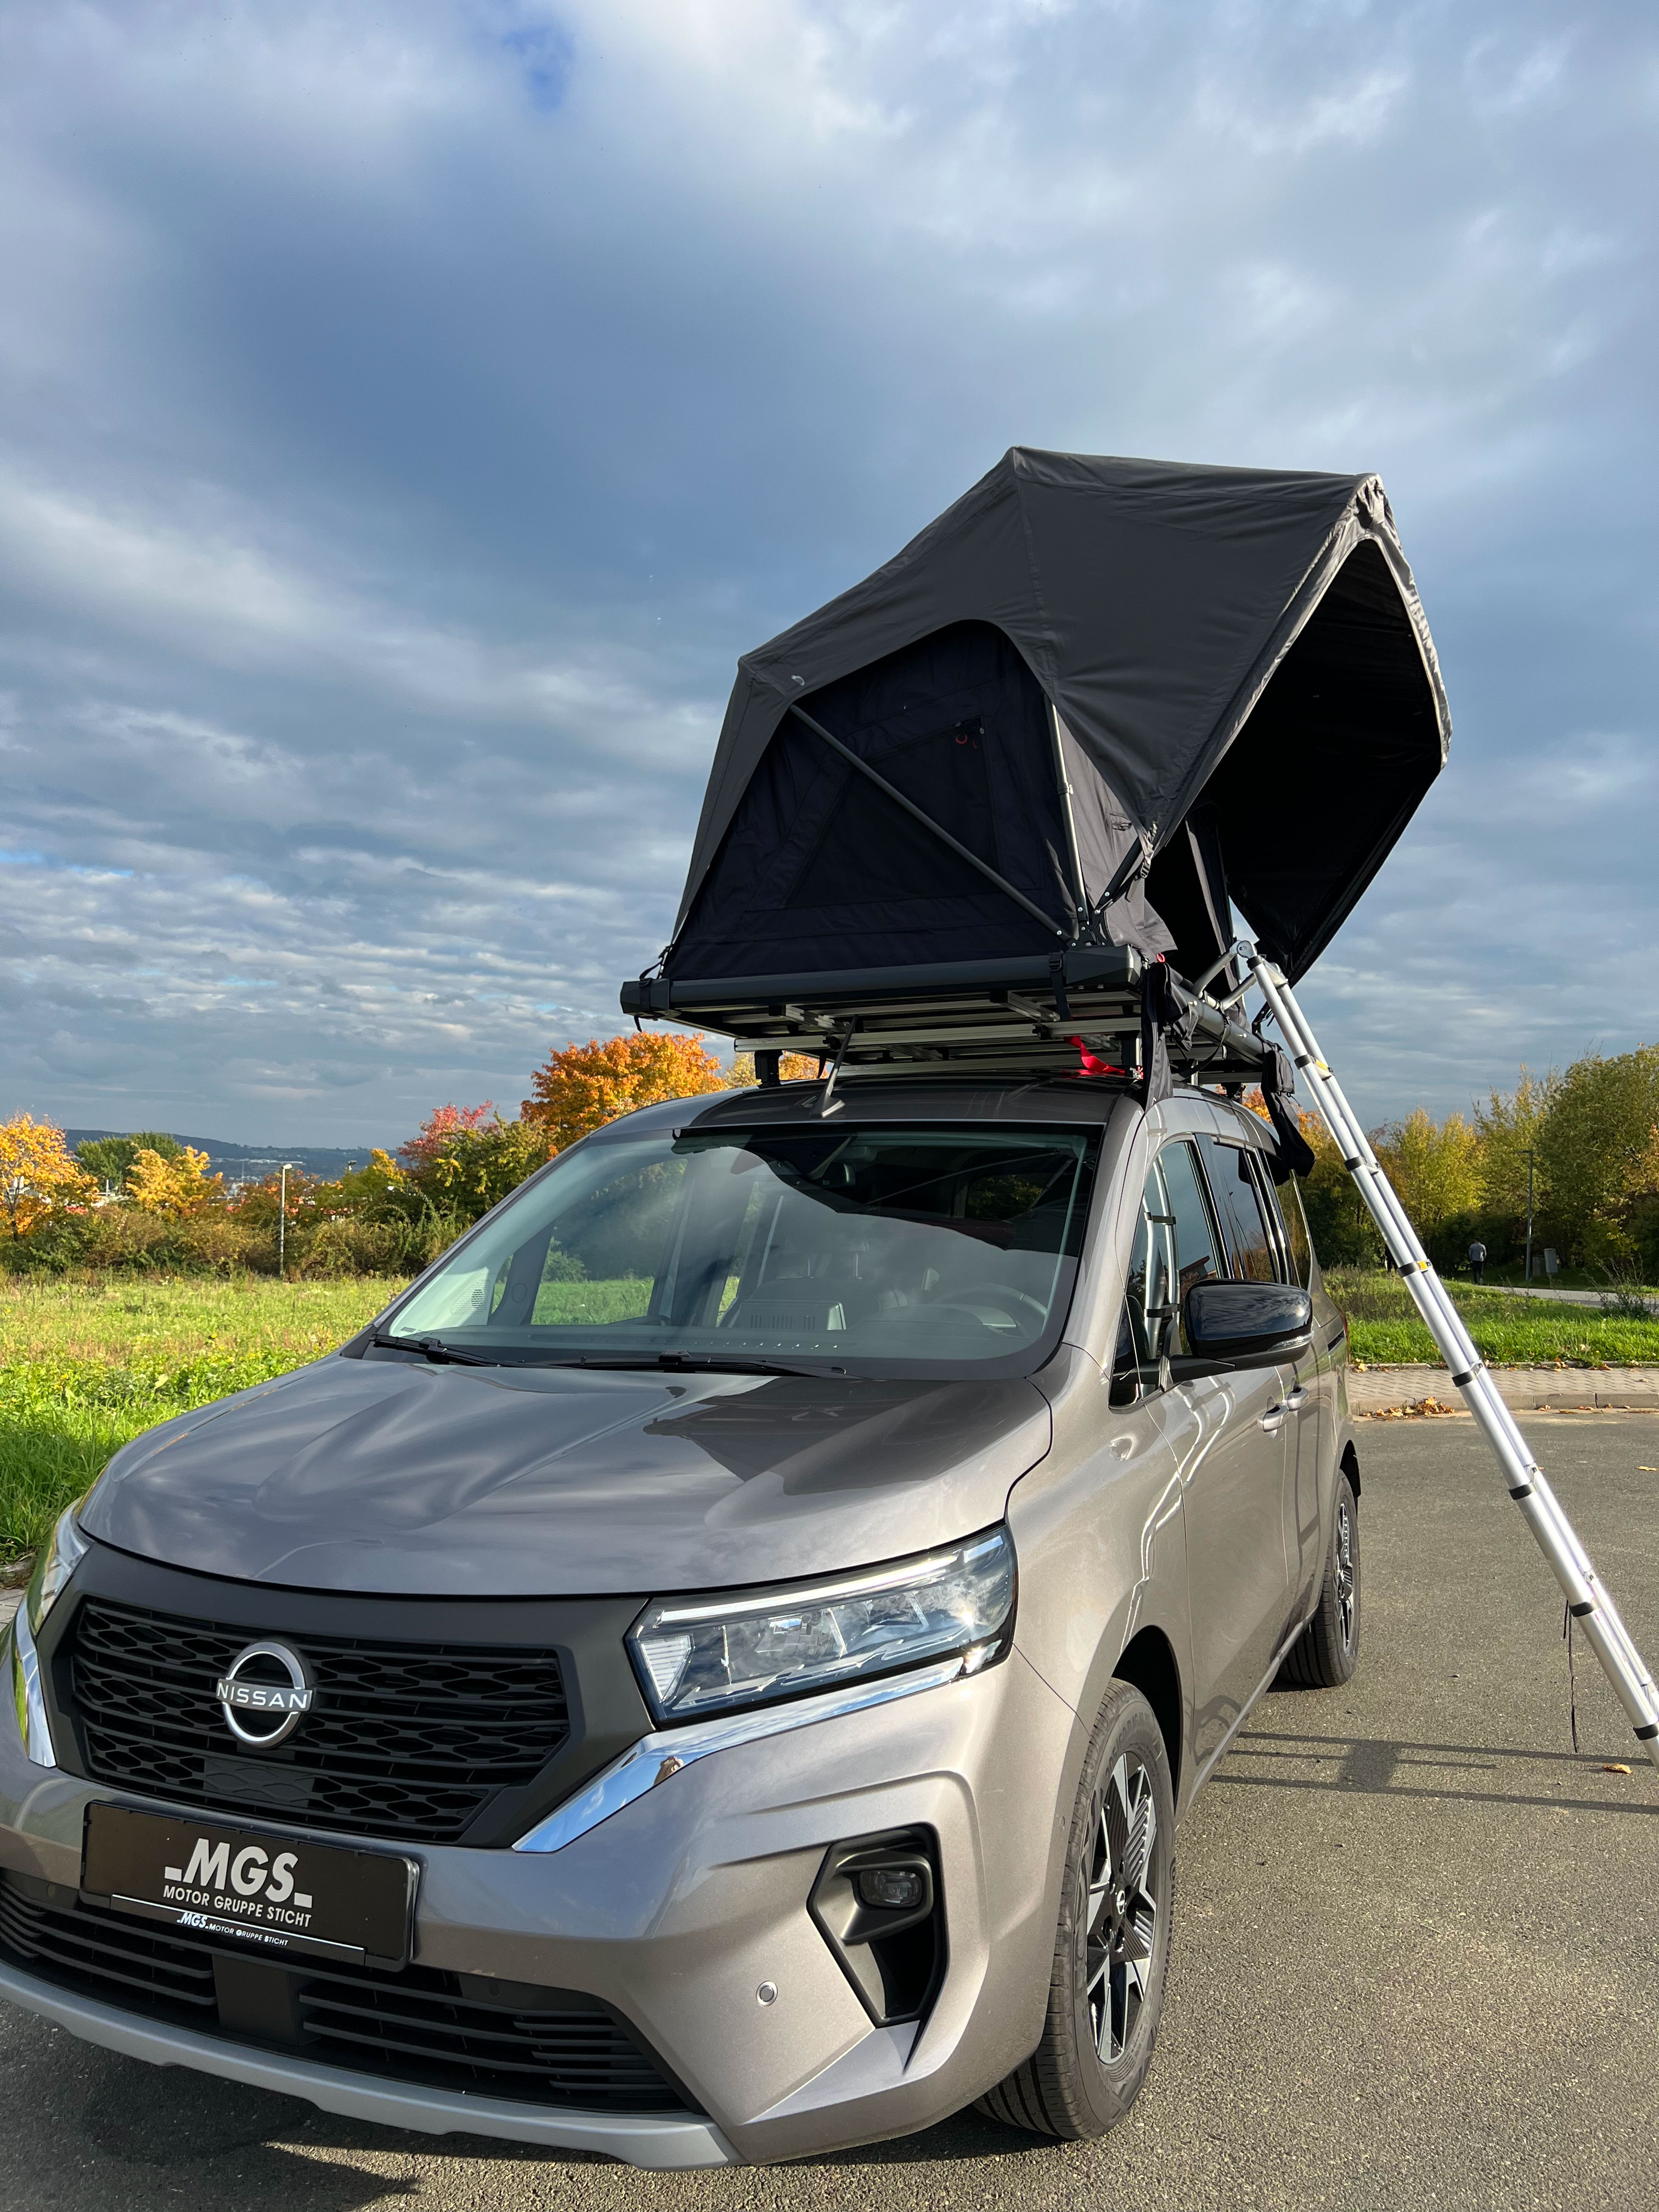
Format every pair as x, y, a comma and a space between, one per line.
1436, 1167
1511, 1125
180, 1186
111, 1158
1594, 1147
1343, 1232
38, 1172
586, 1085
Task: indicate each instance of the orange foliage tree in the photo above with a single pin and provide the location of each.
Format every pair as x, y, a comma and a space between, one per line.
586, 1085
37, 1171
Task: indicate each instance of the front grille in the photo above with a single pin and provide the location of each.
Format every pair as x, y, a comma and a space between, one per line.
404, 1740
420, 2024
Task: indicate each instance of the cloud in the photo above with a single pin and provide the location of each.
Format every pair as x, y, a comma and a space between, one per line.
408, 414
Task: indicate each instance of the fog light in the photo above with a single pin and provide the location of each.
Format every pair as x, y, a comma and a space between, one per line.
877, 1906
893, 1889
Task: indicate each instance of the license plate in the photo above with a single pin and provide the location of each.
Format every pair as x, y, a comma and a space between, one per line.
275, 1894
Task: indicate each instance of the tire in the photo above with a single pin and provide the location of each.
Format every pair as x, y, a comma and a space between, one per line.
1328, 1650
1112, 1946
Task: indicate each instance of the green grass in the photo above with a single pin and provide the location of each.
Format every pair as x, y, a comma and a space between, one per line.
1385, 1331
87, 1365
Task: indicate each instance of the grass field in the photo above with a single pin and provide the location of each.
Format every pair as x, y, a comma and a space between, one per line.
85, 1365
1508, 1332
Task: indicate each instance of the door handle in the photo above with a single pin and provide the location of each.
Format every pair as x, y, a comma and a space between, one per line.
1295, 1398
1123, 1447
1273, 1419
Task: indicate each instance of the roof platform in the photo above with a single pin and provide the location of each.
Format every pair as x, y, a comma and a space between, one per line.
1036, 1015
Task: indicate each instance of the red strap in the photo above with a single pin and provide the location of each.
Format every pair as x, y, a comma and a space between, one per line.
1091, 1066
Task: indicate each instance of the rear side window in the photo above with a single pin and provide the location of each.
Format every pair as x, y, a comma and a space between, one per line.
1252, 1247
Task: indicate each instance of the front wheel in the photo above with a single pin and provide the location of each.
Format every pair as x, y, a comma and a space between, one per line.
1328, 1651
1112, 1947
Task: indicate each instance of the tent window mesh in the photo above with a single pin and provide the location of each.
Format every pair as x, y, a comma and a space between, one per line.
872, 849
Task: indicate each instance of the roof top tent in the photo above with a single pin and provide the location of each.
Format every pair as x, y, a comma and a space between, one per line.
955, 814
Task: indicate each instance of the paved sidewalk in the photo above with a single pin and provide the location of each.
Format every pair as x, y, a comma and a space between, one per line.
1568, 1390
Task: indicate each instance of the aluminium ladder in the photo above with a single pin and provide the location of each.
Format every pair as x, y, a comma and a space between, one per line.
1587, 1598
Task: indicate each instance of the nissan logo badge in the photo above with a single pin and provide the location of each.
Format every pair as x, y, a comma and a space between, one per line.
258, 1708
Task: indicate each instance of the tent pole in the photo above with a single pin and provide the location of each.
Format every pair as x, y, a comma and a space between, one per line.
928, 823
1063, 784
1588, 1601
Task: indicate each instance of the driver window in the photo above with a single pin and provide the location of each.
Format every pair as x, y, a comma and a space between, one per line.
1196, 1246
1175, 1247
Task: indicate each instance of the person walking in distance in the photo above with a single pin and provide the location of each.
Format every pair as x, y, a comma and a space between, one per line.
1478, 1260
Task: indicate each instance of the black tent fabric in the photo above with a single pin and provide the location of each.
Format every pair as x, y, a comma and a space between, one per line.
1084, 665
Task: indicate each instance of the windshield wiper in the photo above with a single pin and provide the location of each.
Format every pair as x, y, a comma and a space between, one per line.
694, 1363
433, 1348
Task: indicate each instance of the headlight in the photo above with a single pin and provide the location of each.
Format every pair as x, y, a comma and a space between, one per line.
57, 1561
743, 1647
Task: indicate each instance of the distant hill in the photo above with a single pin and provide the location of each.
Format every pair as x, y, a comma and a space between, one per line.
251, 1162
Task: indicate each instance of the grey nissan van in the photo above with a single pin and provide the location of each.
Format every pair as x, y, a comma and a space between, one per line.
715, 1672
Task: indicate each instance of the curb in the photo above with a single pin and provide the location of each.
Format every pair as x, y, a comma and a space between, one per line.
1392, 1391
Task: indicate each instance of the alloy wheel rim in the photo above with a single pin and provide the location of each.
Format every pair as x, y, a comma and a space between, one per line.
1345, 1592
1121, 1918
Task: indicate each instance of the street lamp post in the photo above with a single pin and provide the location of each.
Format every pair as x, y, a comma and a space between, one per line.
1531, 1155
282, 1225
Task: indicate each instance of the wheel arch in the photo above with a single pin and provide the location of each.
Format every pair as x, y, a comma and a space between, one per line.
1149, 1662
1349, 1463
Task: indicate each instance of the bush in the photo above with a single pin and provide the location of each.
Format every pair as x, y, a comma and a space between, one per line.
344, 1247
213, 1244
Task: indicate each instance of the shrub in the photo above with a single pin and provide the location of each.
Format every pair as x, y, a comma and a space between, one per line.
344, 1247
463, 1163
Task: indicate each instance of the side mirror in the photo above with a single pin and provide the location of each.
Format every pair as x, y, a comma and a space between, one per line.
1243, 1325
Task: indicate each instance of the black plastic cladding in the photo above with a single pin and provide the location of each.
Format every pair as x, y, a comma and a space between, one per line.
895, 1961
421, 2024
437, 1720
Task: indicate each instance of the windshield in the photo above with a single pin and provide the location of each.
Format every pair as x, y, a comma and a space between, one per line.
841, 1250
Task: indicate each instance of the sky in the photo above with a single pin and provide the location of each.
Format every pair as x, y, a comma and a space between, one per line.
409, 412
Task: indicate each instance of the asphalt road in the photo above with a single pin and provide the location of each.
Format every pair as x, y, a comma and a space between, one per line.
1414, 1953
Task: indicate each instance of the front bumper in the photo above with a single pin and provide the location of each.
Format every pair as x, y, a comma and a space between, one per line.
647, 2139
677, 1908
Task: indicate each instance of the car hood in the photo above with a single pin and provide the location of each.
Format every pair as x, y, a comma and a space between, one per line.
383, 1475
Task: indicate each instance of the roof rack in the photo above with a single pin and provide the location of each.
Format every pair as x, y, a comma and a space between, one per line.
1019, 1017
